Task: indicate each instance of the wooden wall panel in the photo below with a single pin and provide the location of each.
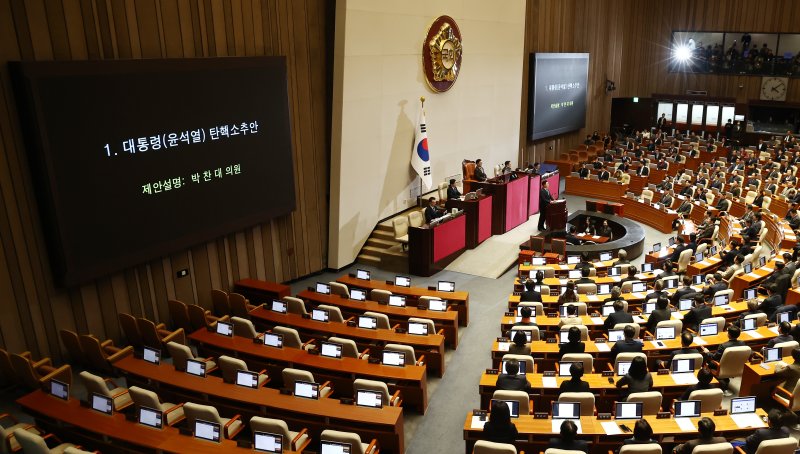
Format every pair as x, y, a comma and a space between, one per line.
32, 309
629, 43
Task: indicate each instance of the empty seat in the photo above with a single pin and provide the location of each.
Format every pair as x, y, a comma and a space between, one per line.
230, 426
353, 439
380, 295
32, 443
425, 321
244, 327
334, 313
180, 353
291, 338
400, 226
710, 399
490, 447
107, 388
230, 366
155, 336
38, 375
586, 399
100, 356
295, 305
219, 300
393, 400
339, 289
416, 219
349, 348
292, 441
291, 375
650, 399
410, 356
9, 442
145, 398
179, 314
240, 306
383, 319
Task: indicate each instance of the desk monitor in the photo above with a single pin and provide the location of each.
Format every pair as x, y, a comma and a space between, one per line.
698, 257
708, 329
604, 289
712, 250
698, 279
331, 350
150, 417
748, 267
279, 306
437, 305
647, 267
323, 288
657, 206
563, 368
527, 333
59, 389
334, 447
358, 294
397, 300
225, 328
629, 410
606, 256
648, 308
573, 259
616, 335
748, 324
680, 366
532, 308
563, 335
670, 283
367, 322
206, 430
196, 367
368, 398
622, 367
614, 271
402, 281
273, 340
638, 287
446, 286
152, 355
537, 261
392, 358
101, 403
657, 247
687, 408
522, 366
607, 310
420, 329
749, 294
320, 315
267, 442
562, 310
672, 241
772, 354
743, 405
574, 274
566, 410
762, 261
685, 304
721, 300
247, 379
513, 406
782, 317
665, 332
362, 274
306, 389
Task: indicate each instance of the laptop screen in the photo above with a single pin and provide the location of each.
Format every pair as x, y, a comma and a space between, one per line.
367, 398
247, 379
402, 281
680, 366
566, 410
684, 304
527, 333
721, 300
708, 329
206, 430
391, 358
671, 283
334, 447
607, 310
615, 335
637, 287
537, 261
604, 289
306, 389
267, 442
151, 355
665, 332
772, 354
713, 250
698, 279
278, 306
195, 367
563, 368
687, 408
102, 403
513, 406
749, 293
446, 286
743, 405
320, 315
614, 271
522, 366
150, 417
647, 267
437, 305
563, 336
358, 294
420, 329
748, 324
648, 308
325, 289
629, 410
606, 256
762, 261
397, 300
362, 274
698, 257
672, 241
748, 267
781, 317
59, 389
273, 340
573, 259
331, 350
574, 274
226, 329
657, 247
367, 322
622, 367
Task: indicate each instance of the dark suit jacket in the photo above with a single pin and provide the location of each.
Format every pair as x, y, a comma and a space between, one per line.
569, 347
572, 386
604, 175
575, 445
513, 383
688, 447
714, 288
625, 346
479, 174
677, 253
453, 193
658, 315
696, 315
790, 308
721, 349
544, 197
771, 304
431, 213
681, 293
500, 434
751, 443
532, 296
583, 173
617, 317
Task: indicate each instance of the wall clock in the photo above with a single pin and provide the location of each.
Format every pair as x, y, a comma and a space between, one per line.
774, 88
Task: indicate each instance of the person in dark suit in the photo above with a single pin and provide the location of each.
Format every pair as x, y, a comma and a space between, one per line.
661, 313
784, 335
511, 380
571, 238
530, 294
667, 199
604, 175
658, 290
698, 313
479, 173
452, 190
574, 384
618, 316
432, 212
704, 378
499, 428
715, 284
705, 431
642, 434
680, 246
584, 172
643, 170
772, 302
567, 439
791, 309
684, 291
585, 279
629, 344
686, 347
631, 275
774, 431
525, 313
790, 373
544, 202
574, 344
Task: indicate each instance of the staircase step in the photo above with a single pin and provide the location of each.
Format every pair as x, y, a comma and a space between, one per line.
368, 259
381, 242
389, 236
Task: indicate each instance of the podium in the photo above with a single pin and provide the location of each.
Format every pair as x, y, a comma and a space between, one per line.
556, 215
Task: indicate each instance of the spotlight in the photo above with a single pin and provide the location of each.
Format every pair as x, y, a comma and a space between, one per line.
682, 53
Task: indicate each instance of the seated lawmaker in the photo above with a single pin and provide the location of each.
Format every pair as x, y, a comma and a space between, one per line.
701, 311
432, 212
499, 428
784, 335
618, 316
511, 380
575, 384
567, 440
705, 432
637, 380
704, 378
686, 348
530, 294
519, 344
525, 313
573, 344
661, 313
629, 344
479, 174
642, 434
775, 431
789, 373
452, 190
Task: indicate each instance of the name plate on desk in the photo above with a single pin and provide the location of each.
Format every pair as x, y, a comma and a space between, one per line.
600, 340
492, 371
552, 315
551, 340
721, 412
663, 371
549, 373
541, 415
603, 416
502, 339
508, 314
663, 415
608, 373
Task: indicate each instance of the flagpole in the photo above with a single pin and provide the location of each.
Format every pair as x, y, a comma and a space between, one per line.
422, 107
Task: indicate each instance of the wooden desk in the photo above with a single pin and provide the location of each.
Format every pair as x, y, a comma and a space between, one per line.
595, 238
431, 248
114, 432
479, 218
412, 381
432, 345
595, 189
447, 320
460, 300
385, 424
758, 381
647, 214
259, 291
745, 281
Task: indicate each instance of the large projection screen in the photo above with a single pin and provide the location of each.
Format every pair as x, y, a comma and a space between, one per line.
557, 93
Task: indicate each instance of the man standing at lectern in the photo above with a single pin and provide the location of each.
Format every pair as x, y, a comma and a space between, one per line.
544, 202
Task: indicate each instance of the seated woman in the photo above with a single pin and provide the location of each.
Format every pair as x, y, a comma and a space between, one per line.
574, 344
520, 345
642, 434
499, 428
567, 440
704, 378
574, 384
637, 380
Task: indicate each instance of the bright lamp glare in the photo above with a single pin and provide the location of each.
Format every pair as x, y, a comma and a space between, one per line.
683, 53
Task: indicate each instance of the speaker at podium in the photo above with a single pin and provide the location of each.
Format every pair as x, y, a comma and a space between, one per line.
557, 215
